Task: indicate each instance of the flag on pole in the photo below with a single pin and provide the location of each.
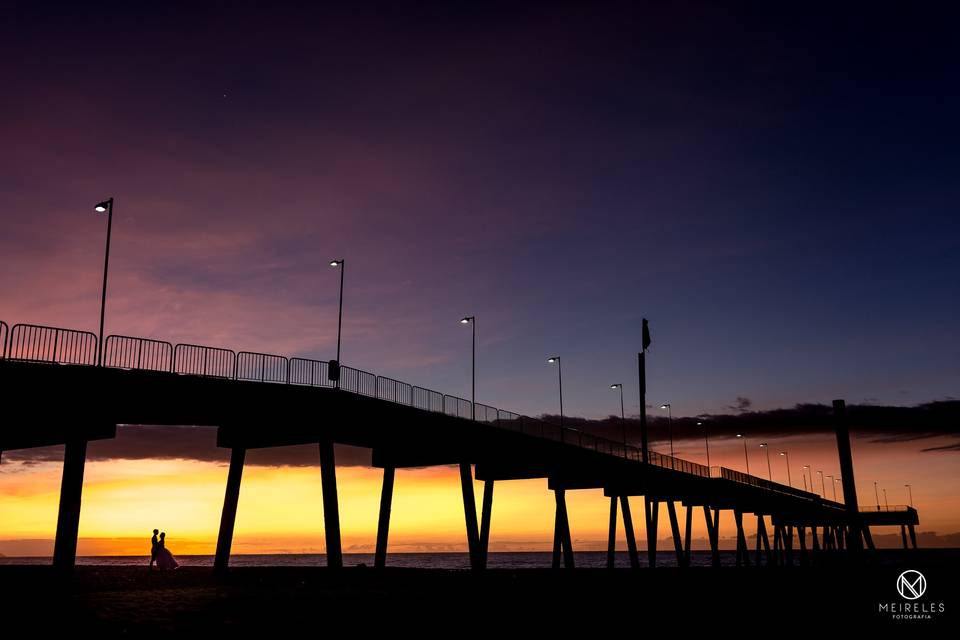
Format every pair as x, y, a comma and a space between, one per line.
646, 335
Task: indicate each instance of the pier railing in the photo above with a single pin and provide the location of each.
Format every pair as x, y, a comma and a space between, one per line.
127, 352
207, 362
51, 344
754, 481
262, 367
71, 347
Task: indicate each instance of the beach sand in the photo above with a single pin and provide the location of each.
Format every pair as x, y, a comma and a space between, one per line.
191, 600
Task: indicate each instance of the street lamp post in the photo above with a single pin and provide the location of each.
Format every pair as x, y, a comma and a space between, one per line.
823, 487
886, 503
787, 457
669, 408
910, 489
836, 481
763, 445
746, 458
809, 473
876, 494
556, 360
834, 485
105, 206
623, 415
804, 474
339, 263
472, 320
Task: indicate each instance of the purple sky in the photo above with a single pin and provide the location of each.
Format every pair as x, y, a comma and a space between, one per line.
777, 193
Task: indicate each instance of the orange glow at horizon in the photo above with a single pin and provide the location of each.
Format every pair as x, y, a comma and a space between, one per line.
281, 508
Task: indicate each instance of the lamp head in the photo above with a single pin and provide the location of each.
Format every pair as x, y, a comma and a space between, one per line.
616, 386
466, 319
103, 206
553, 359
336, 263
763, 444
739, 435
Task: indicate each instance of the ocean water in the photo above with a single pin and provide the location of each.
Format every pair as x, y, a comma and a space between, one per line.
495, 560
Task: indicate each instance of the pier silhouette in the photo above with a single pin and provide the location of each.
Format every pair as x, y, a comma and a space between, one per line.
81, 393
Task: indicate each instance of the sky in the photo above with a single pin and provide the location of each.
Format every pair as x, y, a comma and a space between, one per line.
774, 187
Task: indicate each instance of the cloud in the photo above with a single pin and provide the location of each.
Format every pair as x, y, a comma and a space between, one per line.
883, 424
742, 404
140, 442
886, 424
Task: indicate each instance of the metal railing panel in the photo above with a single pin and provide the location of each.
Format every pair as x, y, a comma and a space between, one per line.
394, 390
358, 381
313, 373
427, 399
262, 367
129, 352
39, 343
209, 362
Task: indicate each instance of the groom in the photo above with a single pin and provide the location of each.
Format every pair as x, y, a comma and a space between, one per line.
153, 547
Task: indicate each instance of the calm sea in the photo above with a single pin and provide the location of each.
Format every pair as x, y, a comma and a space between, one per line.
500, 560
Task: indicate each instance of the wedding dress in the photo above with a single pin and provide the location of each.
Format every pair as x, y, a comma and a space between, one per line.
165, 559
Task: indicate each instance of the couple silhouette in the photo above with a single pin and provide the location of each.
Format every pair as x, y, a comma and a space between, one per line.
159, 552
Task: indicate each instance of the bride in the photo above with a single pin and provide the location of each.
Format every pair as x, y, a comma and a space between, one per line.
165, 559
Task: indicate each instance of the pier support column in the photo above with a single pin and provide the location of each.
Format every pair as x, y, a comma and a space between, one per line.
228, 517
743, 554
331, 506
470, 514
788, 544
651, 510
629, 533
68, 517
485, 515
868, 538
713, 526
561, 533
903, 535
778, 544
612, 534
762, 538
383, 525
802, 542
675, 530
913, 535
687, 532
